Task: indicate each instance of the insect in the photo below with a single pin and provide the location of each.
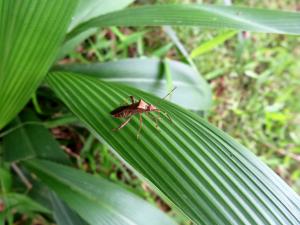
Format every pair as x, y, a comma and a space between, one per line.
137, 107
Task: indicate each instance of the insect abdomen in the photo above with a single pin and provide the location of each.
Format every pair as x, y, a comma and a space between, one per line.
123, 113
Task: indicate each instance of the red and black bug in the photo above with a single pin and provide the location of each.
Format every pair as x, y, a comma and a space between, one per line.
137, 107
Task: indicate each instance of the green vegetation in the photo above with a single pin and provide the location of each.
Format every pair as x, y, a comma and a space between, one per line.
82, 172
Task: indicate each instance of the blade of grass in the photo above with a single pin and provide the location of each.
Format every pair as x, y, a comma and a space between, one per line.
173, 36
211, 44
161, 52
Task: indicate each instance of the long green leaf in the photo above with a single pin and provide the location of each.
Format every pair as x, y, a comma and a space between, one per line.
207, 174
62, 214
175, 39
30, 139
22, 203
148, 74
211, 44
30, 35
206, 16
95, 199
70, 45
88, 9
5, 179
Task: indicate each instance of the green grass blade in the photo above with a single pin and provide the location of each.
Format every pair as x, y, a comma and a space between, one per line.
205, 16
95, 199
30, 35
162, 51
211, 44
5, 179
130, 39
206, 173
147, 74
173, 36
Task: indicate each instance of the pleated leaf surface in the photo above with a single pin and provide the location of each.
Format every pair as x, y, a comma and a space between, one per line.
149, 74
206, 173
31, 32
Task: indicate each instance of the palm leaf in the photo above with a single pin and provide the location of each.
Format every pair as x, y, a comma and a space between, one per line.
207, 174
95, 199
30, 34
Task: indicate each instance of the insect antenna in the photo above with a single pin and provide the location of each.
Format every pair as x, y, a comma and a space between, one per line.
160, 111
167, 95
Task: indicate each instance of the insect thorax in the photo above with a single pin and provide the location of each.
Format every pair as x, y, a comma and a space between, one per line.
142, 105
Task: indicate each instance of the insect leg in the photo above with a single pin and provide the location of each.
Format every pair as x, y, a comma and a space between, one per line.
168, 117
132, 99
153, 118
141, 122
123, 124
